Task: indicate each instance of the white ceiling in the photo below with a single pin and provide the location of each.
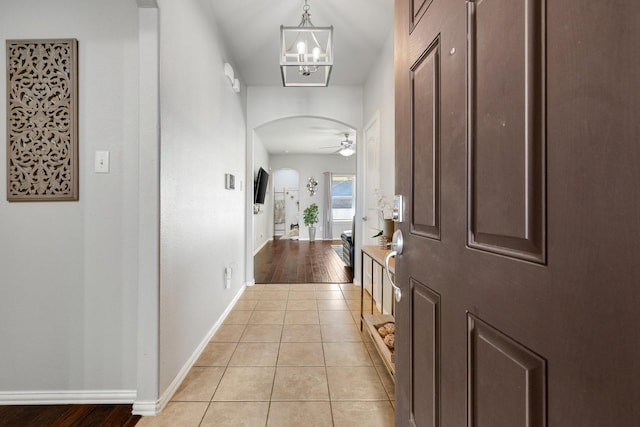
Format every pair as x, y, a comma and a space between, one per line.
251, 30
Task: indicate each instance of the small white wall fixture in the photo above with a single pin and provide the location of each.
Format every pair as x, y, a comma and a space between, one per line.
230, 74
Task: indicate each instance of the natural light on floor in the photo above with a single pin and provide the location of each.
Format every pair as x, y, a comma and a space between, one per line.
287, 355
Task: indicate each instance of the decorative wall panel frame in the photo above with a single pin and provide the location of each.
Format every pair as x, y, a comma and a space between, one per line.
507, 128
42, 120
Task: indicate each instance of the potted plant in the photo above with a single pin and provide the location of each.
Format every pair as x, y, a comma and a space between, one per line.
310, 219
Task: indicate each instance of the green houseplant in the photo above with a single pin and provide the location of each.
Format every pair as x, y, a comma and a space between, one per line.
310, 219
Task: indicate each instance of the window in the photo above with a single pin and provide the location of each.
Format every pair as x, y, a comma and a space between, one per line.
342, 201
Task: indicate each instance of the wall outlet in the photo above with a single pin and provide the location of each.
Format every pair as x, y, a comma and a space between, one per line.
229, 181
228, 273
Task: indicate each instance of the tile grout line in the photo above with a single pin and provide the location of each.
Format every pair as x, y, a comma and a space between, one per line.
223, 373
326, 373
275, 369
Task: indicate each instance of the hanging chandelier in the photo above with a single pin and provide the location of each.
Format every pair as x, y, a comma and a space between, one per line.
306, 55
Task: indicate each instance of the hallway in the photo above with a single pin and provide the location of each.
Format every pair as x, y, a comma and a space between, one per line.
299, 261
287, 355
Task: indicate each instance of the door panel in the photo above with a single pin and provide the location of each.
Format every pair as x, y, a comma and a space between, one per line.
418, 8
425, 354
515, 397
425, 143
506, 128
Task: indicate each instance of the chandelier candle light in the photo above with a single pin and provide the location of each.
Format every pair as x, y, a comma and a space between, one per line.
306, 56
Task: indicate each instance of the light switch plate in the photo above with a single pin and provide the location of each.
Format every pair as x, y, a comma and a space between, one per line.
102, 162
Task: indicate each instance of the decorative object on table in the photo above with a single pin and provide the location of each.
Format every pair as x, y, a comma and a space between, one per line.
42, 120
386, 234
388, 227
310, 217
387, 332
385, 223
312, 186
306, 54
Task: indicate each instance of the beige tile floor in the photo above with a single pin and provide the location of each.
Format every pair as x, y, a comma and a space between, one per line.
287, 355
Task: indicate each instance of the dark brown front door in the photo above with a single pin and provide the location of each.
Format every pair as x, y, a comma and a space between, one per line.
518, 153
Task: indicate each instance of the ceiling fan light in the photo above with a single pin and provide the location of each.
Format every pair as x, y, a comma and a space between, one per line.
347, 151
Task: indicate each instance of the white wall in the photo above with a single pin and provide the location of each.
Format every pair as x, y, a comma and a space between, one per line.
379, 99
148, 208
68, 270
286, 178
313, 165
268, 103
203, 225
262, 219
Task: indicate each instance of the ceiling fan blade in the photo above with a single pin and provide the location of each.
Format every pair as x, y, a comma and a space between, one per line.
320, 129
332, 146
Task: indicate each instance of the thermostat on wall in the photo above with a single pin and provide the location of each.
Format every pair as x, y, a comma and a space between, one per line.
229, 181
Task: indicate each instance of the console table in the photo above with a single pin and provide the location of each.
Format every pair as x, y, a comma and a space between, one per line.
377, 256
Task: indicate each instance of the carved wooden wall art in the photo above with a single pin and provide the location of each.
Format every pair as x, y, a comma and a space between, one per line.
42, 120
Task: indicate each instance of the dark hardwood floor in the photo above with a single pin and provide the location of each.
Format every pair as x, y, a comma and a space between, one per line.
300, 261
67, 416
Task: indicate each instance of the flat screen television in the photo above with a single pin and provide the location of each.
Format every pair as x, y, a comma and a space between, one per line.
260, 187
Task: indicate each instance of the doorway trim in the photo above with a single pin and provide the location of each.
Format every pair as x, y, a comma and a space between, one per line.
250, 158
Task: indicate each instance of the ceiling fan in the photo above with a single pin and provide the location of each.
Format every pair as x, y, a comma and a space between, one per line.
346, 147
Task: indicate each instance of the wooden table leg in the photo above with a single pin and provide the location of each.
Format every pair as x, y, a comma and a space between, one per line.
361, 290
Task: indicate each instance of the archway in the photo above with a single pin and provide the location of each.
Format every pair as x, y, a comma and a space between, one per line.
306, 143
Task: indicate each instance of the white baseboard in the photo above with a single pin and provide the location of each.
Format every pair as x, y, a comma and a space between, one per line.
67, 397
152, 408
146, 408
261, 246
